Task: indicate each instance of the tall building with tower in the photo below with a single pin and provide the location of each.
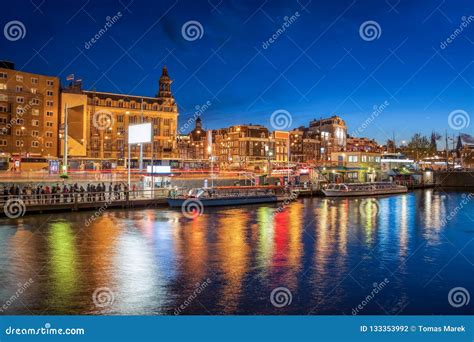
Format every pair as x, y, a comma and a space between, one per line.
98, 122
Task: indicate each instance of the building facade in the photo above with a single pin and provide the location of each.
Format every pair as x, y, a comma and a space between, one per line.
29, 105
305, 145
98, 123
362, 144
332, 132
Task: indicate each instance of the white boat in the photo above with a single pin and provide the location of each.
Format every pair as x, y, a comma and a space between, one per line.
363, 189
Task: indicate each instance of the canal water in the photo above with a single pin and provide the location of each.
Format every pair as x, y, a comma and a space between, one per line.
399, 254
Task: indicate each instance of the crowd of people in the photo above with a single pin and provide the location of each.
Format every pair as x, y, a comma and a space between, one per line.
68, 193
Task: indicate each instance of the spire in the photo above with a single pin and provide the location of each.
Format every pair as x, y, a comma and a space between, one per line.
164, 71
164, 85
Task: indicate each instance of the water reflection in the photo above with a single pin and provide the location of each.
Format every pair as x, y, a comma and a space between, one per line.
327, 252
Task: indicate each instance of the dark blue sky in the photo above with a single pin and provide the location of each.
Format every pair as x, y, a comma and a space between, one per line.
318, 67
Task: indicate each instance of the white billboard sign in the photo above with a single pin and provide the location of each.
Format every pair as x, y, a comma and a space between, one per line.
160, 169
139, 134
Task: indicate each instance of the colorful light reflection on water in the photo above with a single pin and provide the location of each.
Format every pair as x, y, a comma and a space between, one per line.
327, 253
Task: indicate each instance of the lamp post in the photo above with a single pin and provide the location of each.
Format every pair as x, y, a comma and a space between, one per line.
65, 140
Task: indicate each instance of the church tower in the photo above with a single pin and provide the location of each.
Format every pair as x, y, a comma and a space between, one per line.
164, 86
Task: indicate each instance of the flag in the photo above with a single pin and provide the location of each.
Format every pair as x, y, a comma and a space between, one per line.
70, 77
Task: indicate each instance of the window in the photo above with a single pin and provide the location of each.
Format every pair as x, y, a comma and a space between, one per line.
35, 143
49, 113
3, 97
35, 101
108, 103
20, 110
35, 133
34, 80
3, 121
49, 103
19, 89
49, 134
19, 121
18, 132
49, 144
166, 122
19, 78
3, 75
49, 93
35, 112
119, 118
20, 99
120, 104
353, 159
35, 123
49, 124
364, 158
34, 91
3, 142
3, 86
19, 143
50, 83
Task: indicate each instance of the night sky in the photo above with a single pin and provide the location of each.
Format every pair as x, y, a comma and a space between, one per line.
319, 66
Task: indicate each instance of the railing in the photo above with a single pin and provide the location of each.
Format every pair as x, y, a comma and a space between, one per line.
78, 198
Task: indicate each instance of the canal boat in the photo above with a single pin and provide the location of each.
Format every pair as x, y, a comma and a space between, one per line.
228, 195
363, 189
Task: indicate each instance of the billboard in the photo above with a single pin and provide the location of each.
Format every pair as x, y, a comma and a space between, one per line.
139, 134
159, 169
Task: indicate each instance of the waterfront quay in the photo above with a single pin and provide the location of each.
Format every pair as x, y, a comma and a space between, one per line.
41, 200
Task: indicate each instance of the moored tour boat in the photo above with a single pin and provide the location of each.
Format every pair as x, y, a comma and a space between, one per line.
229, 195
363, 189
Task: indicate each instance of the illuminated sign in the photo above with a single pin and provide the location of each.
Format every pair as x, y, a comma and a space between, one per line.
159, 169
139, 134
